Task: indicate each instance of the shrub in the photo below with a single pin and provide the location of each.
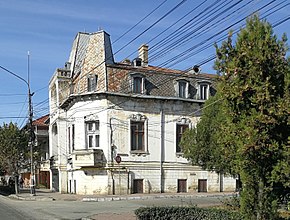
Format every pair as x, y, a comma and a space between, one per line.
184, 213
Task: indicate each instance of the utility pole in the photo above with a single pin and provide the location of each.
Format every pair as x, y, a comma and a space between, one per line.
31, 144
31, 132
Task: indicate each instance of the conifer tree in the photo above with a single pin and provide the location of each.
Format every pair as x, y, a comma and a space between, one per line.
253, 82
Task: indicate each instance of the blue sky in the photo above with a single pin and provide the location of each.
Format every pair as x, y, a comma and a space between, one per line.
47, 29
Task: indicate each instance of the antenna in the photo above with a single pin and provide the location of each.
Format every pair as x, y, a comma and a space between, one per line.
28, 67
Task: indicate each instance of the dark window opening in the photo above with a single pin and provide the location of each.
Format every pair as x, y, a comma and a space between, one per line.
137, 136
180, 129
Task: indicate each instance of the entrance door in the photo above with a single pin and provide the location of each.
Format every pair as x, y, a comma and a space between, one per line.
138, 186
55, 180
202, 185
181, 186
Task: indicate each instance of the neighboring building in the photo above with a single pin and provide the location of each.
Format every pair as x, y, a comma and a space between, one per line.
102, 112
42, 168
41, 145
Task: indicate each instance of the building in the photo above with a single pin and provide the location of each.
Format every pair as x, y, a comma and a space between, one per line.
115, 127
41, 147
42, 168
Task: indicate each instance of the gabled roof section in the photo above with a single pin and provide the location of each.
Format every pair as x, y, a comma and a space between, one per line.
42, 121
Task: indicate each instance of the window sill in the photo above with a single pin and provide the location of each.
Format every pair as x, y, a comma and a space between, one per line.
139, 153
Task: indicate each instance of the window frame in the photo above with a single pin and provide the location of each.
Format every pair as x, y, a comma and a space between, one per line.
69, 139
92, 133
182, 89
181, 126
92, 81
73, 137
138, 120
137, 130
137, 83
203, 90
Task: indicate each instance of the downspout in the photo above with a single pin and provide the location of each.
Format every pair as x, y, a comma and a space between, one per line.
161, 148
112, 157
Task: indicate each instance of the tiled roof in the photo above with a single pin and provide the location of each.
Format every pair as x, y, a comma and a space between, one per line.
42, 121
156, 69
158, 81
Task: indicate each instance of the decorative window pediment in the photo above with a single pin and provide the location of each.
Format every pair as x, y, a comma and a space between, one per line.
91, 117
183, 121
138, 117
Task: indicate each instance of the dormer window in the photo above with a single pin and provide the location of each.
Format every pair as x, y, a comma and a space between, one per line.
138, 82
203, 91
182, 90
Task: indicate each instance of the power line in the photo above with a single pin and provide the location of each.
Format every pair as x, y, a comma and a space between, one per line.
139, 22
156, 22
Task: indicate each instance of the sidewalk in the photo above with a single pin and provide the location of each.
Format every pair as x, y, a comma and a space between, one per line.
48, 195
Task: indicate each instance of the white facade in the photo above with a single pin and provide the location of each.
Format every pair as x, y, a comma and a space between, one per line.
99, 113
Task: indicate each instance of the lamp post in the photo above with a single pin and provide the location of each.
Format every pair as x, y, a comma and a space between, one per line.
31, 132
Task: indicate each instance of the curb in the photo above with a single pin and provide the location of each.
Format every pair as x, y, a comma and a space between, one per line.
107, 199
31, 198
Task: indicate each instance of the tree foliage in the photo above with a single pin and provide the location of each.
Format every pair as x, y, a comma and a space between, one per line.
204, 144
249, 128
13, 148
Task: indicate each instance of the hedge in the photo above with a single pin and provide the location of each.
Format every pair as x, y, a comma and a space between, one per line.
184, 213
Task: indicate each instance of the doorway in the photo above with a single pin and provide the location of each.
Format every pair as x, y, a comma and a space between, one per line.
181, 186
202, 185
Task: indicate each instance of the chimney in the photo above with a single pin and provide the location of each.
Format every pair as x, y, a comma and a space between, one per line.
143, 54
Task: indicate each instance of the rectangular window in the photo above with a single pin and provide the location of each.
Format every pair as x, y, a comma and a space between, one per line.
92, 83
137, 136
203, 92
73, 137
93, 134
182, 89
137, 85
180, 129
69, 140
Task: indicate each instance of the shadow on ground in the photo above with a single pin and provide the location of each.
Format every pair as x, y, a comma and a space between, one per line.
6, 190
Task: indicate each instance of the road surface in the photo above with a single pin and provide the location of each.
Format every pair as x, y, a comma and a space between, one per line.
19, 209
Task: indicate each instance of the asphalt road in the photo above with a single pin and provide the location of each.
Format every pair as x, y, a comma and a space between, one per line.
19, 209
10, 212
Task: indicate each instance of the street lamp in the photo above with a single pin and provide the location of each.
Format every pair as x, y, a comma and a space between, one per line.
31, 132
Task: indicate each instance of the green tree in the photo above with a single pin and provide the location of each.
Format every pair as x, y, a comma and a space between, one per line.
13, 148
249, 130
205, 145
